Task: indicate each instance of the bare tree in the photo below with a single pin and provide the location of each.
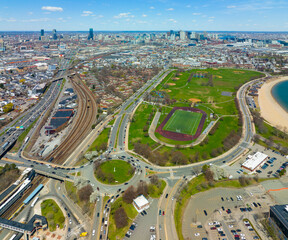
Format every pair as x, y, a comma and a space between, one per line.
120, 217
85, 192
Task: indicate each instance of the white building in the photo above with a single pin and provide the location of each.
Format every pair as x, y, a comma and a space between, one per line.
141, 203
254, 161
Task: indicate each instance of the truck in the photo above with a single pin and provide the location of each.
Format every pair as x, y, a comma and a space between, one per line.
26, 139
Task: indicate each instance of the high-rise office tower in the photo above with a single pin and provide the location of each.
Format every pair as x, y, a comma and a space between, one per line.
90, 35
182, 35
41, 38
54, 34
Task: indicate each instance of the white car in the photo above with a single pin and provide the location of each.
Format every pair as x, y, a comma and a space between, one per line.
210, 223
197, 234
93, 232
230, 226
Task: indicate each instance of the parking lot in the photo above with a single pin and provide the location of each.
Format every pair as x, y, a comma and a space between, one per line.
270, 170
144, 223
228, 211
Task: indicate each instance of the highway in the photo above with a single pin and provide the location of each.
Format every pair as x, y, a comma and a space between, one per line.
117, 149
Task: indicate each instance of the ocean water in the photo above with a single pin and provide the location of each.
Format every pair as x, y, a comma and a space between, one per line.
280, 93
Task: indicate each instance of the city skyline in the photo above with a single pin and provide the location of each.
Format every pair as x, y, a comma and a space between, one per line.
144, 16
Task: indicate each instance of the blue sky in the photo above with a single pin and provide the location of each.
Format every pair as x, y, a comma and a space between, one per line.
206, 15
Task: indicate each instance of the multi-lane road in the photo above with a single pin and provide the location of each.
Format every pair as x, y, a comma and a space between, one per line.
117, 149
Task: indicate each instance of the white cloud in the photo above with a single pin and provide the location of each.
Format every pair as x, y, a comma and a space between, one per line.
86, 13
144, 15
211, 17
172, 20
30, 13
159, 14
170, 9
37, 20
196, 14
211, 20
11, 20
123, 15
52, 9
152, 7
188, 6
232, 6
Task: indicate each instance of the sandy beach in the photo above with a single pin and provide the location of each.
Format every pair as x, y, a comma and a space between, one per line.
270, 109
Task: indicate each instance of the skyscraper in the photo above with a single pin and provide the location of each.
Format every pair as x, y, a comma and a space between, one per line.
41, 38
90, 35
54, 34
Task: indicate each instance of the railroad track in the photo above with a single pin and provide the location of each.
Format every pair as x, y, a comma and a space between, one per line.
86, 116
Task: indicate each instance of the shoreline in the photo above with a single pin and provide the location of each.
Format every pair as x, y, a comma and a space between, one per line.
270, 109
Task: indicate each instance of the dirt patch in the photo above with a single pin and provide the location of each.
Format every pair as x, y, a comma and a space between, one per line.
194, 100
168, 90
202, 72
218, 76
215, 106
215, 69
171, 84
238, 72
210, 100
176, 78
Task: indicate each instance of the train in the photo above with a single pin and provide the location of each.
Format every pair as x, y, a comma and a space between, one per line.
19, 192
34, 202
5, 145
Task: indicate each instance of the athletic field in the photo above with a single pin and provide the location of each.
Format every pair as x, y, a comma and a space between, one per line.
184, 122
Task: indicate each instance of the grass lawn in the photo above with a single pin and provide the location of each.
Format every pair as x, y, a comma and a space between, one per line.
131, 212
140, 119
100, 140
183, 122
53, 213
72, 193
215, 141
156, 192
123, 171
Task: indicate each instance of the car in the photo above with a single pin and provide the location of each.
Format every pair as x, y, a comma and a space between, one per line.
223, 208
255, 237
126, 183
210, 224
163, 213
205, 212
197, 234
159, 212
98, 214
222, 198
68, 214
144, 212
199, 226
93, 232
259, 204
231, 198
212, 228
166, 195
103, 220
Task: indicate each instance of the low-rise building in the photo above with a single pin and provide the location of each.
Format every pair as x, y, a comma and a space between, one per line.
141, 203
254, 161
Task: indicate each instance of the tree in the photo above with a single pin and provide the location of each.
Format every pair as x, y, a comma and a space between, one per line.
85, 192
154, 180
142, 189
129, 195
120, 217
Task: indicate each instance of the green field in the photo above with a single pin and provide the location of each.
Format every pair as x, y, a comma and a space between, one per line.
183, 122
114, 172
53, 213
